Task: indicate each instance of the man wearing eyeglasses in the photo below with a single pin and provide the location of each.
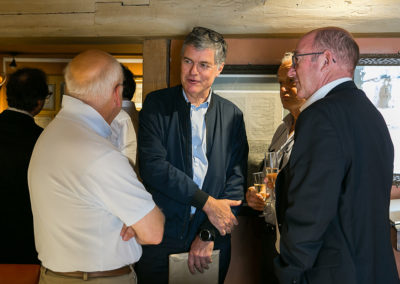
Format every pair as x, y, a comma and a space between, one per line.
192, 149
26, 94
333, 196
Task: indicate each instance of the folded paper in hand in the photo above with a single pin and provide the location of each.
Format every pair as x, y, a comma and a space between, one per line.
179, 271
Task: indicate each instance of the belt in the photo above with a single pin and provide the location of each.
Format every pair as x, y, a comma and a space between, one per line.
95, 274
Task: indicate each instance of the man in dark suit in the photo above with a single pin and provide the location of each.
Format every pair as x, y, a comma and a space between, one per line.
333, 196
26, 93
192, 151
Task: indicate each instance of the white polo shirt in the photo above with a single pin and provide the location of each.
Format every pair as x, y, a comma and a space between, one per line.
82, 192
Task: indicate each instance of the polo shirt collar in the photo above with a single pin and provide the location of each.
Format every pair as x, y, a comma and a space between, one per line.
77, 110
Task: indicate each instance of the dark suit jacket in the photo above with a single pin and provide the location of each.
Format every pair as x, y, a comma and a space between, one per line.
333, 196
18, 136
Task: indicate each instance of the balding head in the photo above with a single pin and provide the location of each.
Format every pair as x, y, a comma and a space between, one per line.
340, 42
95, 77
92, 75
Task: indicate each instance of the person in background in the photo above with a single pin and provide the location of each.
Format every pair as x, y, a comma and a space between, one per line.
333, 195
26, 93
90, 212
282, 141
193, 157
125, 126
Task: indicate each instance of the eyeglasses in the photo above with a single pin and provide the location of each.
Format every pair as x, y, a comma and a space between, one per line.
214, 36
295, 57
200, 66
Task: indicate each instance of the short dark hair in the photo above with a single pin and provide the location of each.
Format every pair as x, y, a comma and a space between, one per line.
340, 42
129, 84
25, 87
202, 38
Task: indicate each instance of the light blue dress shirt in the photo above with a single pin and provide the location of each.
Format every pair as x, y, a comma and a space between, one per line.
199, 143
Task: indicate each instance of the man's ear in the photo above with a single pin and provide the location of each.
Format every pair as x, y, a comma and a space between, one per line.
328, 59
38, 108
220, 68
117, 95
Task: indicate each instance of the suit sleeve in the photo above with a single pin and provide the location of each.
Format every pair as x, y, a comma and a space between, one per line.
155, 170
236, 175
317, 167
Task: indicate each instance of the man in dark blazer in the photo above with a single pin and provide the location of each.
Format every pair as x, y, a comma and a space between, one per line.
26, 93
192, 151
333, 196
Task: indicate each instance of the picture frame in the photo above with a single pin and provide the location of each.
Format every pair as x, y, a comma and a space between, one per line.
378, 75
50, 101
62, 92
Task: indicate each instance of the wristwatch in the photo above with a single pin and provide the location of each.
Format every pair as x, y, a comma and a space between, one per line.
206, 236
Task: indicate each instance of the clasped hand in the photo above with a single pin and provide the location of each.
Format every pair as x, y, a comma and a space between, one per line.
220, 214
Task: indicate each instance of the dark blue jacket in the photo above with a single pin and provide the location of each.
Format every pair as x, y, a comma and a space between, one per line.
165, 158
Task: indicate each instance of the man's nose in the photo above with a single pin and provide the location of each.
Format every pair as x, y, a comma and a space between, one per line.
193, 69
292, 72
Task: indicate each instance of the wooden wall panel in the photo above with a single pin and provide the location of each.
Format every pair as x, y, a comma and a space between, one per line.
46, 6
155, 65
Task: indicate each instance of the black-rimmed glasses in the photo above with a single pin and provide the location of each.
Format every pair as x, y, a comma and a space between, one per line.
295, 57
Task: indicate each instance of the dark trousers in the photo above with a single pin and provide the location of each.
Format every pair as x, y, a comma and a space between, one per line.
152, 267
268, 239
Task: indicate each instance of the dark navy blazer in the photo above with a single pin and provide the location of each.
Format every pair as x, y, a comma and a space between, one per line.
333, 197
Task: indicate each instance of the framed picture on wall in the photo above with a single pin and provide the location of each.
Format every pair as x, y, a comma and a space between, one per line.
62, 92
379, 77
49, 104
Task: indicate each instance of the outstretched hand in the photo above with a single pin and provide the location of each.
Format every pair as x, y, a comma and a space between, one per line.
220, 214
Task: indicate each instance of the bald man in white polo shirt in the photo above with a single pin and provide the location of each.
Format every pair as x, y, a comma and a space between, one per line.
91, 214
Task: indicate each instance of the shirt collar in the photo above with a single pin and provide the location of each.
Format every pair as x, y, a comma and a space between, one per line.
77, 110
20, 110
323, 91
126, 103
288, 121
203, 105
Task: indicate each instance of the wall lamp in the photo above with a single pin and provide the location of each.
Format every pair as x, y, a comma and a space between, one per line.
3, 78
13, 63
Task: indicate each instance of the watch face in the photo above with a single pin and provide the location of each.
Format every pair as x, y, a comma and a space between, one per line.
205, 236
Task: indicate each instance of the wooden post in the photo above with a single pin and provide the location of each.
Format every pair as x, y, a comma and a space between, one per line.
155, 65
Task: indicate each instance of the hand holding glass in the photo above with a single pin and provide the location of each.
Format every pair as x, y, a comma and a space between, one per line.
259, 184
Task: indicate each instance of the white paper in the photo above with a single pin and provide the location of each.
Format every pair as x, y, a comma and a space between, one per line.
179, 271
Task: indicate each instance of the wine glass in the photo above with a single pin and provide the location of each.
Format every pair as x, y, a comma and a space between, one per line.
259, 184
271, 165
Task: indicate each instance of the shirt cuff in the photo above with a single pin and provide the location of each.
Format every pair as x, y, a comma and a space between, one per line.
199, 199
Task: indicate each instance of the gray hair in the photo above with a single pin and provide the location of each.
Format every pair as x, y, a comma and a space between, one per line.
202, 38
340, 42
95, 86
